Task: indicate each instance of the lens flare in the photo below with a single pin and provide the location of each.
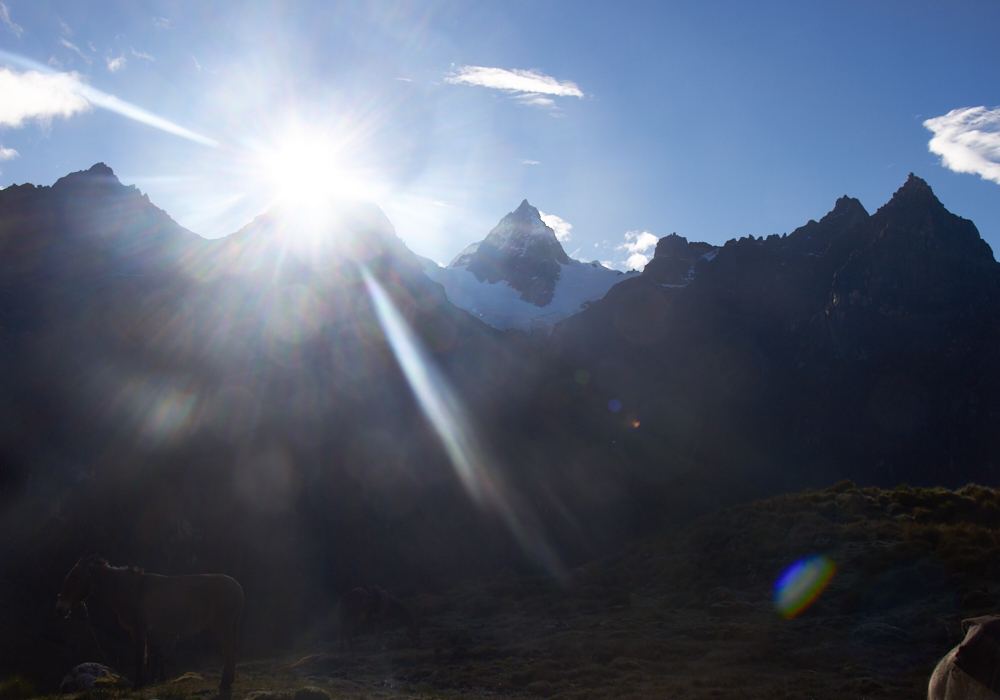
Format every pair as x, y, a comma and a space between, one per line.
446, 414
801, 584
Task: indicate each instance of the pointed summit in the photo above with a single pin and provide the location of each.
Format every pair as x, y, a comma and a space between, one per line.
914, 195
522, 250
521, 277
915, 183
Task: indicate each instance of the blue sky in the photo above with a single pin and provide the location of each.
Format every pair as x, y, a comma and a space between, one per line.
714, 120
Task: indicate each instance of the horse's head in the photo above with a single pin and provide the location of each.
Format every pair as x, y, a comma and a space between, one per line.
76, 587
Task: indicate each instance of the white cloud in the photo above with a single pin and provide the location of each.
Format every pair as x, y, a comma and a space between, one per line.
405, 80
161, 23
530, 162
41, 94
523, 81
142, 55
968, 141
116, 64
562, 228
15, 29
8, 153
636, 261
637, 243
34, 95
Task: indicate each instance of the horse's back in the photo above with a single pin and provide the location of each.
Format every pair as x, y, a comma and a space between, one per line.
186, 604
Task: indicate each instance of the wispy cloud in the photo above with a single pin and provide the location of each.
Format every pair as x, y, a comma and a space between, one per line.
143, 55
34, 95
15, 29
116, 64
8, 153
968, 141
161, 23
536, 100
636, 244
40, 93
73, 47
530, 162
529, 86
561, 227
405, 80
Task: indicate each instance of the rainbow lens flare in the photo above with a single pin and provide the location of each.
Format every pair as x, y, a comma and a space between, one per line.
800, 584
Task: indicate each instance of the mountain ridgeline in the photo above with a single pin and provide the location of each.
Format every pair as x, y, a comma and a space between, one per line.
235, 406
858, 346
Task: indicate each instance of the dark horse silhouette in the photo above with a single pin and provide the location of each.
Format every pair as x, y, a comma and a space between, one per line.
157, 609
370, 607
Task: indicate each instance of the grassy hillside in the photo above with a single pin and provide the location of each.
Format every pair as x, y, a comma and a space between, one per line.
687, 614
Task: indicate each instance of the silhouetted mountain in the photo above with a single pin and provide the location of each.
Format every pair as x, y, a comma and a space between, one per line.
235, 405
857, 346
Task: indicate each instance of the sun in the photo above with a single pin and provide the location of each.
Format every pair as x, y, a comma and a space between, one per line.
308, 168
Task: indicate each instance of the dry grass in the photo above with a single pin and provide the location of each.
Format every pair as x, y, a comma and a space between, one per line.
688, 615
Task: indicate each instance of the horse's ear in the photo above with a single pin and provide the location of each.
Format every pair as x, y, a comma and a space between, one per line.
971, 622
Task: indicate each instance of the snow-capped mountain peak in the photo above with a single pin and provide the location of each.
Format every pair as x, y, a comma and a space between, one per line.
519, 276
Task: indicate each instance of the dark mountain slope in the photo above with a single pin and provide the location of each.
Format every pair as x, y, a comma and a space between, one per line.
855, 346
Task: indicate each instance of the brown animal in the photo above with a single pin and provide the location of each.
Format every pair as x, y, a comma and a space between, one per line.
970, 671
157, 609
372, 608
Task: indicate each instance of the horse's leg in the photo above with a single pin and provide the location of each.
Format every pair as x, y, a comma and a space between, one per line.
154, 658
159, 649
226, 634
139, 646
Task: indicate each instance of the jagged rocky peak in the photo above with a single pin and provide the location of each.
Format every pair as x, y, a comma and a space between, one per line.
915, 198
522, 232
98, 174
847, 212
915, 212
920, 259
521, 250
675, 259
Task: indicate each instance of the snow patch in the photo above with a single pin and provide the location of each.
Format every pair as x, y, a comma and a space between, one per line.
501, 306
